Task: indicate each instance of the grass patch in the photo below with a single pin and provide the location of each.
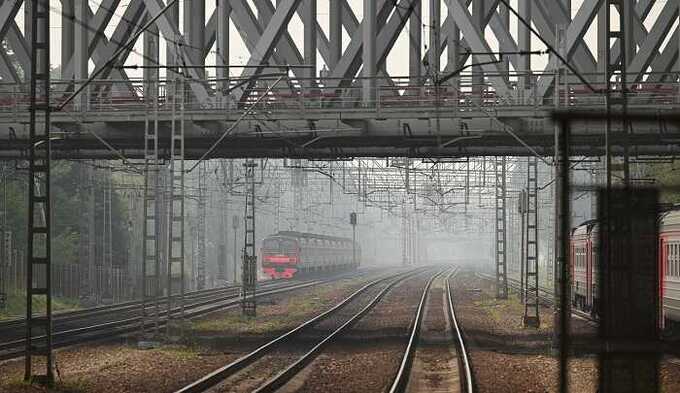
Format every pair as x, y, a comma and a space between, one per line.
16, 306
276, 317
496, 309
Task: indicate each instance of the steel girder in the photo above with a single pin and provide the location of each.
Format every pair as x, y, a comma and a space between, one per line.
651, 44
545, 15
98, 43
477, 43
268, 41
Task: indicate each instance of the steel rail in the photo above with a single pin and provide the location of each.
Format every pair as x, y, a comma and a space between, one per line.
111, 329
286, 375
218, 376
469, 386
133, 305
135, 319
68, 315
401, 378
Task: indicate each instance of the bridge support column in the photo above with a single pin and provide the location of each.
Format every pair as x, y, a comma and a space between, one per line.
310, 42
434, 38
478, 8
335, 33
150, 60
222, 56
524, 44
67, 33
453, 54
415, 45
194, 31
173, 18
81, 54
504, 13
370, 32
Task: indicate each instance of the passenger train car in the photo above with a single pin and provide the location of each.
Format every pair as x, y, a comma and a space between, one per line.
584, 256
289, 253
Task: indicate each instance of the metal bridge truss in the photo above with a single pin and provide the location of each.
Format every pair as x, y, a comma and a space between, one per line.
531, 300
501, 246
343, 115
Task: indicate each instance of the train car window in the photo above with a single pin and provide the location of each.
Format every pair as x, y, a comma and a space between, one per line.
675, 268
669, 256
672, 265
674, 257
673, 261
667, 264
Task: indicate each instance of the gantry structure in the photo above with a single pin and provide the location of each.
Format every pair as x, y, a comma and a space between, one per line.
305, 87
306, 83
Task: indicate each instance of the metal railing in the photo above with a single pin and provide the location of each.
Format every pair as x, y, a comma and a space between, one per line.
392, 94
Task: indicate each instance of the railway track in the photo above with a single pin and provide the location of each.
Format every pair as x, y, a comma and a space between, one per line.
292, 351
7, 328
436, 316
110, 321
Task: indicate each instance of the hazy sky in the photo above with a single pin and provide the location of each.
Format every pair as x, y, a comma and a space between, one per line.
396, 64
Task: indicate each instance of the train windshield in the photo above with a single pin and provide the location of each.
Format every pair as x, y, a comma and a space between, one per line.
281, 246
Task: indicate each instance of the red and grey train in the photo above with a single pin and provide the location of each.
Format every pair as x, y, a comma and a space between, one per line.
585, 275
289, 253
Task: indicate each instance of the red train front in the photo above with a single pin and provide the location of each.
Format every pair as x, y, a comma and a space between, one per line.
280, 256
289, 253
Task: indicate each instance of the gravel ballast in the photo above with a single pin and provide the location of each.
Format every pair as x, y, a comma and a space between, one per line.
212, 342
506, 357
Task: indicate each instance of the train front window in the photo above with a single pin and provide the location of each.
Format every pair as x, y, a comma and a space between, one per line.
287, 246
271, 245
279, 246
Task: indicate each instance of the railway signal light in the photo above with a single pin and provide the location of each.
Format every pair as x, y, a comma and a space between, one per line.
353, 218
